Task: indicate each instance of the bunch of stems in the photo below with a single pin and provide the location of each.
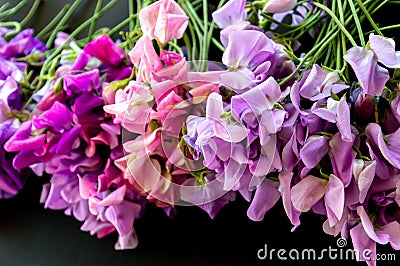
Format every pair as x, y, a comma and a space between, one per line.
337, 25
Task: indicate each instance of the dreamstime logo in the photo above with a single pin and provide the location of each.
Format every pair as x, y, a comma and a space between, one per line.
164, 126
330, 253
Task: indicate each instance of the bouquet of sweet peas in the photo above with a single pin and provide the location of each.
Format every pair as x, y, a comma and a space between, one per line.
301, 107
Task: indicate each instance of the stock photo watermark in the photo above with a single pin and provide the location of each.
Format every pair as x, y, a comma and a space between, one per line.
338, 252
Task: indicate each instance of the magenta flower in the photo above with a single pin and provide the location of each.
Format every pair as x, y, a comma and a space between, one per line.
58, 117
23, 140
163, 20
108, 52
104, 49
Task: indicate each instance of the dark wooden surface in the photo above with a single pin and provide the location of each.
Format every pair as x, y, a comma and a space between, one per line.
31, 235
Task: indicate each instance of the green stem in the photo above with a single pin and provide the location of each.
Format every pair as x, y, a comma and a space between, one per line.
30, 13
205, 30
74, 33
192, 13
138, 8
328, 38
131, 11
193, 40
4, 7
93, 24
357, 21
121, 24
16, 25
212, 26
176, 47
62, 22
391, 27
12, 11
218, 44
51, 24
378, 7
367, 14
304, 26
188, 46
341, 26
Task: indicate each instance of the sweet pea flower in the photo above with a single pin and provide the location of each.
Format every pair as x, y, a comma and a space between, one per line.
218, 140
253, 63
311, 190
285, 178
364, 61
10, 97
21, 45
232, 12
388, 145
365, 236
256, 109
10, 180
163, 20
108, 52
145, 59
265, 197
279, 6
104, 49
204, 195
132, 107
232, 17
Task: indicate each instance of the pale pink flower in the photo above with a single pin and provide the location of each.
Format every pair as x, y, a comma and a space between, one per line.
164, 20
279, 6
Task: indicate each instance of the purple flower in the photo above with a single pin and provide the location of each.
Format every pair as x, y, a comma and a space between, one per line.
232, 12
364, 62
21, 45
314, 149
210, 197
254, 62
218, 140
265, 197
342, 156
10, 180
388, 145
285, 179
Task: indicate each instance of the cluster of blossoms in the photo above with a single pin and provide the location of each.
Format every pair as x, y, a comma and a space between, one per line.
117, 130
18, 57
70, 137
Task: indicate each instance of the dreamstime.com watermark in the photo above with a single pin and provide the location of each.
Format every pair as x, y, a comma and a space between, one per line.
338, 252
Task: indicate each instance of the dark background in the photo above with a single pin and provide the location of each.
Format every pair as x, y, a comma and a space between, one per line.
31, 235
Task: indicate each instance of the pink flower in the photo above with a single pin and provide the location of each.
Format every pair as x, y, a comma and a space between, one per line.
144, 57
132, 107
279, 6
163, 21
